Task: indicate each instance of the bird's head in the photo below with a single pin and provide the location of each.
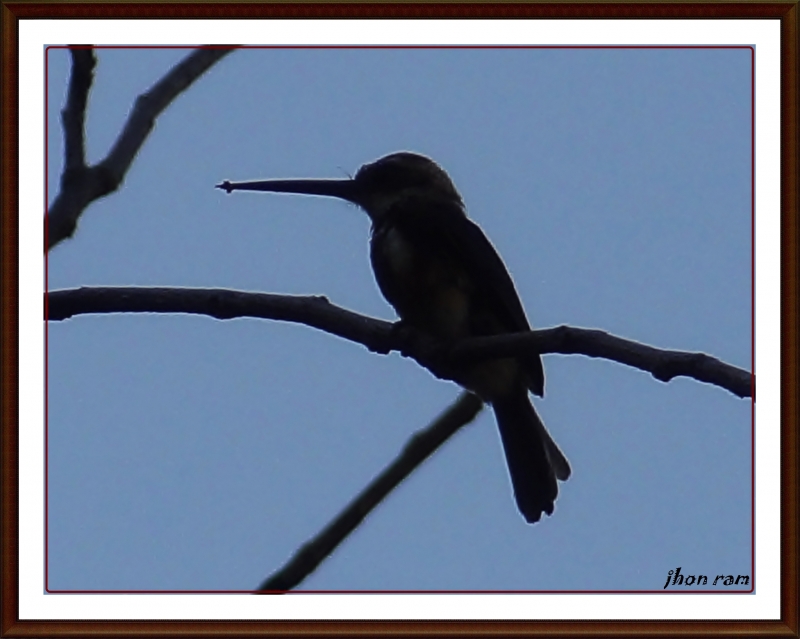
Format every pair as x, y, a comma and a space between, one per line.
376, 185
398, 175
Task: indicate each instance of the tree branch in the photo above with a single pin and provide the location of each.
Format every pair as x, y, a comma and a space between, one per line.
421, 446
73, 115
662, 364
81, 184
383, 337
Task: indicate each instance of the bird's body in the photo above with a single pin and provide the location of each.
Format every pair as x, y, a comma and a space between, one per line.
443, 277
437, 286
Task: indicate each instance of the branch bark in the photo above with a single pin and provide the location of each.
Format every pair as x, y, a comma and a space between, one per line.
81, 184
421, 446
383, 337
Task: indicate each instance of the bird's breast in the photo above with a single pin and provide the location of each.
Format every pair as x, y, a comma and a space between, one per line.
425, 285
398, 254
431, 289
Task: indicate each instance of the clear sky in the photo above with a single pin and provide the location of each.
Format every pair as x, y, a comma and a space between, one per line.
189, 453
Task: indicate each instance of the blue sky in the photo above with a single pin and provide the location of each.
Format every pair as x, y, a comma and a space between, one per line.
193, 454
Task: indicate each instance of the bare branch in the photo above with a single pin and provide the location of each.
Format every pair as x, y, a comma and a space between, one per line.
421, 446
384, 337
80, 184
149, 106
73, 116
662, 364
314, 311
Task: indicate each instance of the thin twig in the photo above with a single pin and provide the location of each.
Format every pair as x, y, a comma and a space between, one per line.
421, 446
81, 184
383, 337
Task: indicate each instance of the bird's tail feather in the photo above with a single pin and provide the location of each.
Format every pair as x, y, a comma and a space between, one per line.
534, 460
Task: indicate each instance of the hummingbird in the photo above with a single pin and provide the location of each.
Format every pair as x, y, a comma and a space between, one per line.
443, 277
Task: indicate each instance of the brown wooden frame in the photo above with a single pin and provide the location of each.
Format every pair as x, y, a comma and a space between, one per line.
11, 13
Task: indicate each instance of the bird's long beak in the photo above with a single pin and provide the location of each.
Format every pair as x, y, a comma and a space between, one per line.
345, 189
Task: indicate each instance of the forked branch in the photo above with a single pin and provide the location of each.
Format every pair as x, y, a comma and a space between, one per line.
81, 184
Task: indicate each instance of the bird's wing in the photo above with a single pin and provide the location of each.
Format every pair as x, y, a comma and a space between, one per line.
443, 225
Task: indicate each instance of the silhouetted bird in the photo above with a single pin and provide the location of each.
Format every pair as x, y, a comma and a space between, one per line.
440, 273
